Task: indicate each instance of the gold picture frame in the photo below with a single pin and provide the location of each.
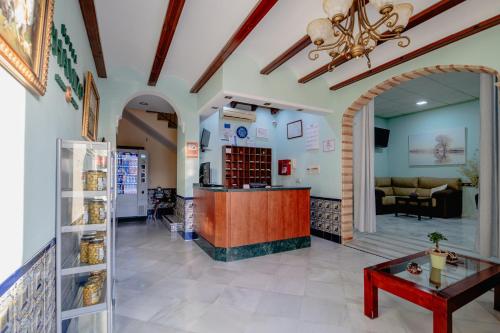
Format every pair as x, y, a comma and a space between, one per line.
90, 117
25, 31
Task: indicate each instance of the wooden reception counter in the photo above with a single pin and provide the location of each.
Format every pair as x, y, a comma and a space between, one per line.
234, 224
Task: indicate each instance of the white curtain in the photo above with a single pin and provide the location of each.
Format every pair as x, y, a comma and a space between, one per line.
364, 170
489, 173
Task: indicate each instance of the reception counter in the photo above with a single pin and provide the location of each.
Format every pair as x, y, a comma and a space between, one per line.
234, 224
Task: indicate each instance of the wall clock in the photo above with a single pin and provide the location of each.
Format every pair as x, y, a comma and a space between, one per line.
242, 132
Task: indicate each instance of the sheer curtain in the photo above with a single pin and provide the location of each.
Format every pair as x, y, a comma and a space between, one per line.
489, 173
364, 170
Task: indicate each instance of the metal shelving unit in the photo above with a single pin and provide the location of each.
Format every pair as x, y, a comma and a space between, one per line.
74, 159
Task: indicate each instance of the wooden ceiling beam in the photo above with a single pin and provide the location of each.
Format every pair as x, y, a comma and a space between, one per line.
415, 20
172, 17
87, 8
421, 51
256, 15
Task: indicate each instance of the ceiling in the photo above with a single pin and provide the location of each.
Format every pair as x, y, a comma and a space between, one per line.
130, 31
438, 90
150, 103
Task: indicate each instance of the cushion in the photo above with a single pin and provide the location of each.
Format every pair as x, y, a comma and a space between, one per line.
404, 191
383, 181
386, 190
388, 200
430, 182
438, 188
423, 192
405, 182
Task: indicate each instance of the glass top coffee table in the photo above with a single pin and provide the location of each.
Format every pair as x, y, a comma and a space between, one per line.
442, 292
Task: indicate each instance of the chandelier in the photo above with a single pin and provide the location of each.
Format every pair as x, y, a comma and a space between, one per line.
348, 33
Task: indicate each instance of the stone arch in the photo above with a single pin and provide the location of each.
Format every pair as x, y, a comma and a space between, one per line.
347, 219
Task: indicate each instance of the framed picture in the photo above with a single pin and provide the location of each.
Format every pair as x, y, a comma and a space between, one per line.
25, 28
192, 149
294, 129
90, 109
442, 147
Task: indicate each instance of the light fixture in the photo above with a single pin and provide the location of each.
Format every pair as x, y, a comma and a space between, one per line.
348, 33
143, 103
420, 103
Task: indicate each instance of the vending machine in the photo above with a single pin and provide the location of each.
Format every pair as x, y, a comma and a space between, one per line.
131, 183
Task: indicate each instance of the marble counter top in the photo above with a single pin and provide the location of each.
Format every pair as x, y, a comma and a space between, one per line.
273, 188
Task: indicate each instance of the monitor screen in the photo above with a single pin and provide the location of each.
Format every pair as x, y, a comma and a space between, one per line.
205, 138
381, 137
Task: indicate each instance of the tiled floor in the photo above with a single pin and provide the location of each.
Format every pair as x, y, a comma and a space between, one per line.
168, 285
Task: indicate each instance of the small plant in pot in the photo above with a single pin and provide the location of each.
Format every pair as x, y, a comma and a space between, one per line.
438, 256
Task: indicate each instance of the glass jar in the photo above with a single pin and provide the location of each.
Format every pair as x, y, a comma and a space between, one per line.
96, 211
96, 251
95, 180
91, 293
84, 248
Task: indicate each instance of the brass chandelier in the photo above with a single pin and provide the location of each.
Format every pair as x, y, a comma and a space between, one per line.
348, 33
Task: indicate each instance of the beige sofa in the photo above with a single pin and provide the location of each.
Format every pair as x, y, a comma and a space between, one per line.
445, 203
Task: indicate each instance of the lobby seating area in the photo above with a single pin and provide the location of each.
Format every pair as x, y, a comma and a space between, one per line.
446, 194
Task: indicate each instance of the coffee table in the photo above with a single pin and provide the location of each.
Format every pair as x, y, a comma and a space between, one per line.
442, 292
415, 206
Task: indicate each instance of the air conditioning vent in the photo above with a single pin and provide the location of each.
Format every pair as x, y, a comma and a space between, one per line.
239, 115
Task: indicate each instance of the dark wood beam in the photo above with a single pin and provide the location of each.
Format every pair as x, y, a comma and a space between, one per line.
415, 20
90, 19
172, 16
423, 50
256, 15
301, 44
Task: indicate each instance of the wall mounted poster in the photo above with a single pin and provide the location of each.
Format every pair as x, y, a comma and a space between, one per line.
91, 100
312, 136
192, 149
329, 145
261, 133
294, 129
443, 147
25, 28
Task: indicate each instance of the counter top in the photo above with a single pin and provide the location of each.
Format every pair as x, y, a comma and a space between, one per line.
225, 189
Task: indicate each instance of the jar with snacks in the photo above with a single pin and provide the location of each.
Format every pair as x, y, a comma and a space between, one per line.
95, 180
84, 247
91, 293
96, 211
96, 251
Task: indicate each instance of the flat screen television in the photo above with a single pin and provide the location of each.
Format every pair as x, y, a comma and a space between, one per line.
381, 137
205, 138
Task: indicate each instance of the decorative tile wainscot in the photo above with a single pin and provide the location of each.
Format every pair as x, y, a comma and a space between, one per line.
28, 297
184, 212
326, 218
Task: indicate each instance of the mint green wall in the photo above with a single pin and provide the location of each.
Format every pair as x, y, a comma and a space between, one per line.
381, 159
454, 116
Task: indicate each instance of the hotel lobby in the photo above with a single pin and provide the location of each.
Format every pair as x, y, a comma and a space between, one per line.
250, 166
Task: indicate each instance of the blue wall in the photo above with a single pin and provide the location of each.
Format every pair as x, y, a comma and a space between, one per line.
454, 116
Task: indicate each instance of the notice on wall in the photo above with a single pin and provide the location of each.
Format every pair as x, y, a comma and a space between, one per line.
226, 132
312, 136
192, 149
329, 145
262, 133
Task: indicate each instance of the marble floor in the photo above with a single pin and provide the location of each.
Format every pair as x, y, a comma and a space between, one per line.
168, 285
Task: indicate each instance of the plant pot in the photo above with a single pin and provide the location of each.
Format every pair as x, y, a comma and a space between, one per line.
438, 259
435, 277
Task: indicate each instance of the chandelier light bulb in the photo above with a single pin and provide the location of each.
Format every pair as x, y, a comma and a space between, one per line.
404, 11
320, 30
337, 9
383, 6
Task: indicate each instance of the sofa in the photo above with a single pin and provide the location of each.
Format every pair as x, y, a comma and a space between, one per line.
446, 203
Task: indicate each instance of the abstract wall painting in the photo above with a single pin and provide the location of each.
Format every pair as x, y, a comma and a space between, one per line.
442, 147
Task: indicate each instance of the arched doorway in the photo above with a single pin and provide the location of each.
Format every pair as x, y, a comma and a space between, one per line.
347, 131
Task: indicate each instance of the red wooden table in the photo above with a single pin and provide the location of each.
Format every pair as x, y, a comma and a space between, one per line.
442, 292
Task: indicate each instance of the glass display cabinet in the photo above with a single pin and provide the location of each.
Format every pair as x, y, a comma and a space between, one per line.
85, 236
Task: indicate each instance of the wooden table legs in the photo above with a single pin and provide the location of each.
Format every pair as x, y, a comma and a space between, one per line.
371, 297
442, 317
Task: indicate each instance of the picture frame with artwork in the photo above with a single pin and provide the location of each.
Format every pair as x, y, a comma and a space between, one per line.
25, 34
90, 116
294, 129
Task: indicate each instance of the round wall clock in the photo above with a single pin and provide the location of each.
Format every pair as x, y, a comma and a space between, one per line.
242, 132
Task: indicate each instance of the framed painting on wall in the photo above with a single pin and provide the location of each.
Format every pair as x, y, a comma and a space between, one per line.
442, 147
90, 117
25, 28
294, 129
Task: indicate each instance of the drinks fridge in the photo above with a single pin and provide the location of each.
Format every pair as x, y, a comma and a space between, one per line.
131, 183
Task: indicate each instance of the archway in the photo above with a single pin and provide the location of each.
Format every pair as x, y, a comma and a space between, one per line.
347, 228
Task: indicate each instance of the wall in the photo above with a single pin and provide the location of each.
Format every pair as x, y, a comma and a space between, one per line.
282, 148
381, 158
454, 116
162, 159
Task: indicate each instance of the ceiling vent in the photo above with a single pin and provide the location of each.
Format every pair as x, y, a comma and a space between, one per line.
238, 114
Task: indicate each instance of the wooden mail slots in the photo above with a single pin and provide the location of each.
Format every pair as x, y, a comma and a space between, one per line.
245, 165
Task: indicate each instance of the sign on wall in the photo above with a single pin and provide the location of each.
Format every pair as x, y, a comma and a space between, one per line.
192, 149
442, 147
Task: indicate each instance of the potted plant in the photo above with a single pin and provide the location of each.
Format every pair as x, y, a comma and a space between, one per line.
438, 257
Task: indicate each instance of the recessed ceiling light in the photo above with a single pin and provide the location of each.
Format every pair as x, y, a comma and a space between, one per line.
267, 104
300, 109
144, 103
421, 102
228, 97
215, 107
